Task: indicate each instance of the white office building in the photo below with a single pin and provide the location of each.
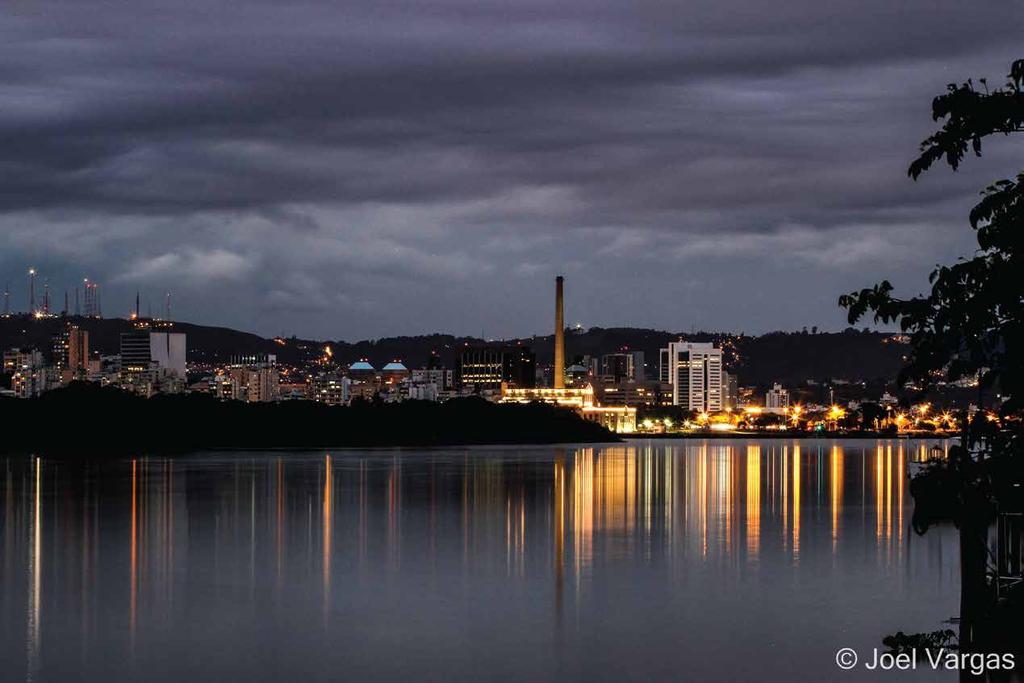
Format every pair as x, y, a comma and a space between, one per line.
167, 351
776, 400
694, 371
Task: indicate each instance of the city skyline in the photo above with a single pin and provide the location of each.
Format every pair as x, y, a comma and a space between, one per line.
362, 171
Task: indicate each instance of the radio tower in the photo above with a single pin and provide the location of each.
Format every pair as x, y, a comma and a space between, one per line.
7, 300
31, 291
92, 299
46, 297
167, 307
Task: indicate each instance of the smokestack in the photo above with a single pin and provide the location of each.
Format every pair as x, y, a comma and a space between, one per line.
559, 336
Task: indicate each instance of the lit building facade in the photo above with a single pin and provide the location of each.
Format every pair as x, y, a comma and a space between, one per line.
71, 354
28, 376
694, 370
330, 389
777, 399
486, 368
619, 419
255, 379
635, 394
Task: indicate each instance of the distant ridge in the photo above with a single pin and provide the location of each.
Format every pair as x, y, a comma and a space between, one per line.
788, 357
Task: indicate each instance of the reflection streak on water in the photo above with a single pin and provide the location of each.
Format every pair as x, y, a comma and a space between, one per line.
836, 478
35, 573
719, 504
328, 519
797, 509
753, 501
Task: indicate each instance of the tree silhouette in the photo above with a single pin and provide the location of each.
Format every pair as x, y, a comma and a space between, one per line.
970, 325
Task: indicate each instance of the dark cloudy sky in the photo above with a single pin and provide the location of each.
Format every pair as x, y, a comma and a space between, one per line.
364, 168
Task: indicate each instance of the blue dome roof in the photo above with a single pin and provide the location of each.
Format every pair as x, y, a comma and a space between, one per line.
361, 365
394, 366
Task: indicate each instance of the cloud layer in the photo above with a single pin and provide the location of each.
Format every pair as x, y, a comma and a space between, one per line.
361, 169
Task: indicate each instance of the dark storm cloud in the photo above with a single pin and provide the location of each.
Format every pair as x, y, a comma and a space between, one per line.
355, 169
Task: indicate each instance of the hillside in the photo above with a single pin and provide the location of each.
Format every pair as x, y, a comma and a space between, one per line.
779, 356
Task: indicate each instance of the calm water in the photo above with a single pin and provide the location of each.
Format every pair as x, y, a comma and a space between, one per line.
653, 560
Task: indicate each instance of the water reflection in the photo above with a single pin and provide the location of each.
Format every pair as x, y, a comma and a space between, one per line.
337, 563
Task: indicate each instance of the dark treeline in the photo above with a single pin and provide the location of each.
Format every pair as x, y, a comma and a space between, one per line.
90, 419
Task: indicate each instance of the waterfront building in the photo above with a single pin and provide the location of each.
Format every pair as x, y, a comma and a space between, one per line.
776, 400
694, 370
620, 419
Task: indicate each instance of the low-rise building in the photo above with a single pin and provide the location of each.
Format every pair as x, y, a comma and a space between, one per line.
28, 376
620, 419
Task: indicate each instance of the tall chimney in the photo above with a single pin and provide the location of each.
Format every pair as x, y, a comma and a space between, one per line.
559, 337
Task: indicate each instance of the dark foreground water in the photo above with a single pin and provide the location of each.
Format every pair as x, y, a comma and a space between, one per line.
654, 560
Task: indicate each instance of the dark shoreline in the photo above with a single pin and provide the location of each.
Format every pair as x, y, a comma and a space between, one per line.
777, 436
85, 419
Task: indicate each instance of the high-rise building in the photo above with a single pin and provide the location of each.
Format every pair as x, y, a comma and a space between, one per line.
135, 352
153, 361
485, 368
167, 351
71, 354
624, 366
694, 370
730, 390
